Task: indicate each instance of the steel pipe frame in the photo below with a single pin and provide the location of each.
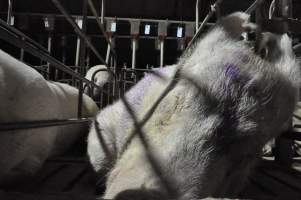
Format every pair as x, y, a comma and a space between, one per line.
103, 3
101, 24
9, 12
82, 59
161, 52
35, 52
108, 51
205, 21
107, 18
80, 33
134, 48
197, 15
16, 40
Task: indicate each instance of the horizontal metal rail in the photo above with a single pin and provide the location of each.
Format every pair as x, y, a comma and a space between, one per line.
107, 18
42, 124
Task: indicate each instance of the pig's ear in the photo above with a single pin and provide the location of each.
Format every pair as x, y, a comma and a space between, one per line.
237, 23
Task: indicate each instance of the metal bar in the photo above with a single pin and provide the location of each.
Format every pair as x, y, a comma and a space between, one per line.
9, 12
127, 36
49, 42
108, 52
51, 71
80, 33
22, 52
22, 35
161, 52
209, 15
254, 6
106, 18
82, 60
134, 42
271, 9
12, 39
100, 24
41, 124
77, 52
102, 11
197, 15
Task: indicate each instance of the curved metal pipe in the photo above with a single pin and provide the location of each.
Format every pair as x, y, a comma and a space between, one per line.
271, 9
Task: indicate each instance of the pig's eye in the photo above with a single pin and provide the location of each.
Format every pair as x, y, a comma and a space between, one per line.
263, 53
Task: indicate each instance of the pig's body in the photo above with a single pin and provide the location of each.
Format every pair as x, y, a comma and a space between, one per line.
26, 96
207, 135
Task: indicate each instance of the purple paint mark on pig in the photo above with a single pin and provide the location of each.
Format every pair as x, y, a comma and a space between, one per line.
136, 93
232, 71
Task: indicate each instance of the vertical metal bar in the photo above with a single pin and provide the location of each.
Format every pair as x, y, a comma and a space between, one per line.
108, 51
283, 149
77, 52
9, 12
134, 42
22, 52
124, 78
82, 59
51, 70
161, 52
197, 15
49, 43
114, 79
102, 11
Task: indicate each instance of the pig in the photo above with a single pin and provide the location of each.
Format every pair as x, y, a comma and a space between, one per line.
207, 134
101, 77
26, 96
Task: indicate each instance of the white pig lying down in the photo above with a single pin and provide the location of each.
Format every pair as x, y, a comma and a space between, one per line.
26, 96
208, 132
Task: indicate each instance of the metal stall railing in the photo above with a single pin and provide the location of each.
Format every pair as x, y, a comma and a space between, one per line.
18, 39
